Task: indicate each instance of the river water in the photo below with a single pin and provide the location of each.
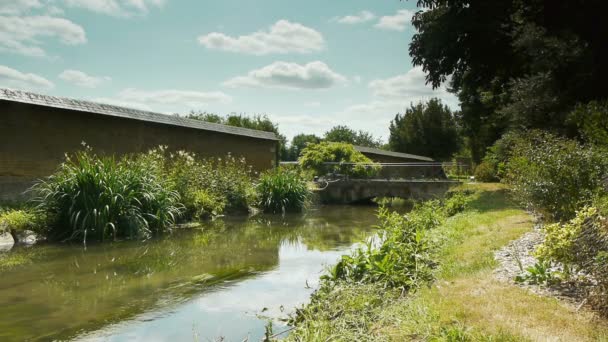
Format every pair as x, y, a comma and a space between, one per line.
223, 280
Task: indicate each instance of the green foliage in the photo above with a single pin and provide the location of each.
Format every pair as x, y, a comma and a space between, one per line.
93, 197
580, 246
591, 120
282, 191
456, 202
560, 238
314, 156
404, 257
554, 175
206, 204
347, 135
427, 129
14, 221
513, 67
538, 274
228, 180
486, 172
299, 142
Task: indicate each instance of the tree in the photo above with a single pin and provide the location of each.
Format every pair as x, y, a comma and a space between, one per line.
314, 157
428, 129
299, 142
258, 122
350, 136
513, 63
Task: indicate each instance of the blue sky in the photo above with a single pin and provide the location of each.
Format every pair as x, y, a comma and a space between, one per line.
308, 65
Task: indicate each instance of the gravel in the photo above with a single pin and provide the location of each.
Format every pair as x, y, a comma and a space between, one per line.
518, 255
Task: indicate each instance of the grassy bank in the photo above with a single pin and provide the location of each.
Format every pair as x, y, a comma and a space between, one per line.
465, 302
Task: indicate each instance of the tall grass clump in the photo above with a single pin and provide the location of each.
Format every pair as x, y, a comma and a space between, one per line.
98, 198
281, 191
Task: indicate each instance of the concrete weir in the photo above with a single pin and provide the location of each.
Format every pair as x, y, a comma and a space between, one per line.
359, 190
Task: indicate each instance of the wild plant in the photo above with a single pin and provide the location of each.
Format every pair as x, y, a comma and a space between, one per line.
281, 191
92, 197
403, 257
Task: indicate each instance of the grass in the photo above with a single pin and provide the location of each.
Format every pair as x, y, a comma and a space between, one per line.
466, 302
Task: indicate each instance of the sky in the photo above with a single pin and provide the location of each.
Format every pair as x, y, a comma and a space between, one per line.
308, 65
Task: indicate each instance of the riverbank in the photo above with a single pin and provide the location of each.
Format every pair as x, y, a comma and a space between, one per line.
465, 302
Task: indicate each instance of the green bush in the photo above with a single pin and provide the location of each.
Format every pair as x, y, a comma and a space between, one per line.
281, 191
314, 156
207, 205
229, 180
580, 246
456, 202
91, 197
486, 172
555, 176
404, 257
14, 221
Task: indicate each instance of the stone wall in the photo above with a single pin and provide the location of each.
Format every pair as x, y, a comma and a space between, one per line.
34, 139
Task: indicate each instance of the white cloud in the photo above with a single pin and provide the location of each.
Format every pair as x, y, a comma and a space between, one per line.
81, 79
313, 104
314, 75
397, 22
412, 84
174, 97
391, 96
362, 17
22, 34
18, 6
12, 78
282, 37
117, 8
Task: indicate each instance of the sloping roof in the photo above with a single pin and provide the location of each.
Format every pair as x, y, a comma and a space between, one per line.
378, 151
128, 113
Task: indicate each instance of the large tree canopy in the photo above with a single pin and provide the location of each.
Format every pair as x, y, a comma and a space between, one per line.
513, 63
428, 129
348, 135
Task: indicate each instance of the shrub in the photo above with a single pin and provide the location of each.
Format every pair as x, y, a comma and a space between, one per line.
228, 180
456, 202
581, 247
14, 221
207, 205
403, 258
486, 172
282, 191
314, 156
93, 197
554, 175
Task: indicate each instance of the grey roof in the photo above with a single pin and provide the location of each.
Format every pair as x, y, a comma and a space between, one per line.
128, 113
378, 151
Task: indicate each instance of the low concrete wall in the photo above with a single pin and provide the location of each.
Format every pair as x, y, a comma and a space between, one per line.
34, 139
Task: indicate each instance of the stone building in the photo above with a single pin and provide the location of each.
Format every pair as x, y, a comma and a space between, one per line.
37, 130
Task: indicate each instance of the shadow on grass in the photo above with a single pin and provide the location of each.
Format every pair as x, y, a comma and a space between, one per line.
486, 201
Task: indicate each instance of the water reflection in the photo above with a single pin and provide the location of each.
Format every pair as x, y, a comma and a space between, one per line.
201, 283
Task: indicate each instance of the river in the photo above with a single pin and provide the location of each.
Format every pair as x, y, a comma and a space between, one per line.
222, 280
